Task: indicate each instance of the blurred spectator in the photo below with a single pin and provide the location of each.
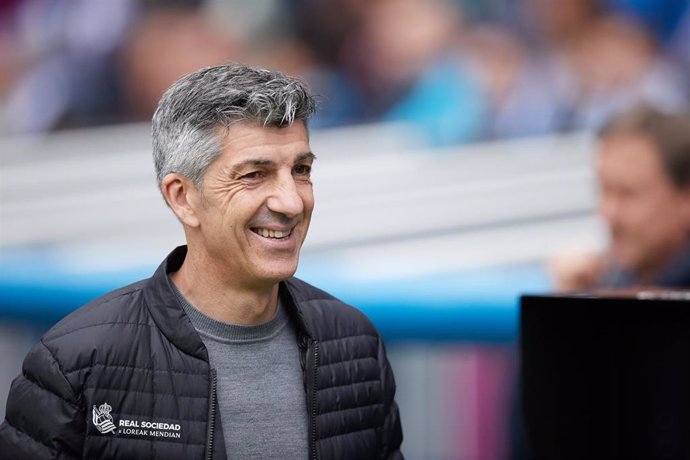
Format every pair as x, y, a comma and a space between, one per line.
60, 62
519, 88
327, 25
11, 56
165, 44
459, 70
644, 175
615, 66
401, 67
82, 62
553, 25
601, 58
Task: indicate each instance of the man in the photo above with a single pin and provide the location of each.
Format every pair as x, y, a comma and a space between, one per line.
643, 170
221, 354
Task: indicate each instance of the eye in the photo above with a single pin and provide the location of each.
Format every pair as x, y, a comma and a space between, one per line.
302, 170
252, 176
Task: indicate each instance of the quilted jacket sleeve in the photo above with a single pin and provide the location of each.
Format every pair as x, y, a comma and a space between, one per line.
392, 436
44, 418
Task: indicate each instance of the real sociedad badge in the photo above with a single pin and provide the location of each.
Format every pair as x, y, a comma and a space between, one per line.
102, 418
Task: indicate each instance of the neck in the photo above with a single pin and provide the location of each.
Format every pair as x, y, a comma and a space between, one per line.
203, 286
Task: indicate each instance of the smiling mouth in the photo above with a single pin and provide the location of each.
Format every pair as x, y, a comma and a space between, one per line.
272, 234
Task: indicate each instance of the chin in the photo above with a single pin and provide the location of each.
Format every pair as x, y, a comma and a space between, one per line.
627, 261
278, 272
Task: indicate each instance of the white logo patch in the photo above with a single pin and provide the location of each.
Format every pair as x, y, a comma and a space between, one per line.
103, 421
102, 418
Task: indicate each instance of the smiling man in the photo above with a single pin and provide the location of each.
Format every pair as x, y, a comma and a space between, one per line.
221, 353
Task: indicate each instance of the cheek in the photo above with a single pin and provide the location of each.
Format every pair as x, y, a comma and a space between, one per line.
647, 210
660, 222
243, 208
307, 195
309, 205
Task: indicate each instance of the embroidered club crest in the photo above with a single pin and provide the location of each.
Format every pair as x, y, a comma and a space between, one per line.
102, 418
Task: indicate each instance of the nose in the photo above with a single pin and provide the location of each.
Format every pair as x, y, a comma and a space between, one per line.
285, 198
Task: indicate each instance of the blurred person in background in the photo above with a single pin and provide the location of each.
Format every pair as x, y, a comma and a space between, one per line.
12, 60
326, 26
57, 63
401, 65
519, 90
93, 62
164, 44
643, 170
222, 353
615, 65
440, 65
552, 26
600, 59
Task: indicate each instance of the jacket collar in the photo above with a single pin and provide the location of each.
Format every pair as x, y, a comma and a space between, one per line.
174, 323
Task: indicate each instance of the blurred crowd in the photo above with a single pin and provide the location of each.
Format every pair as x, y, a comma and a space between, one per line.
460, 70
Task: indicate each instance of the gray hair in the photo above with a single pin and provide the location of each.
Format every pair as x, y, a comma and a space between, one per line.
669, 132
191, 114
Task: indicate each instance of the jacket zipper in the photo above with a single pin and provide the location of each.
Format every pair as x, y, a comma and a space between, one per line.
211, 414
313, 368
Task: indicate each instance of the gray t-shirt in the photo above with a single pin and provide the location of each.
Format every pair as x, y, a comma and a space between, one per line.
260, 392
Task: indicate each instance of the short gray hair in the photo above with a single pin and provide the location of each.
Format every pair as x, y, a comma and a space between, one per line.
191, 114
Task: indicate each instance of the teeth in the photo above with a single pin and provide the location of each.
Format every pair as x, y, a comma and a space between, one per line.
266, 233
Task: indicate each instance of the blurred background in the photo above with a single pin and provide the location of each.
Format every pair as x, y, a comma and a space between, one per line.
455, 144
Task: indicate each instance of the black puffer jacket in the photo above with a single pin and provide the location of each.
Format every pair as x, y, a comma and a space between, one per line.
128, 377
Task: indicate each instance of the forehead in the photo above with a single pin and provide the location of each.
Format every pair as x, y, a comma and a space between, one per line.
244, 141
633, 158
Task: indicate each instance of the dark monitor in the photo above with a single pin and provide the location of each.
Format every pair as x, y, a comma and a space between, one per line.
606, 377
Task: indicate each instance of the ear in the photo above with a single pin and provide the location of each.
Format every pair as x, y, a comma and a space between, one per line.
182, 197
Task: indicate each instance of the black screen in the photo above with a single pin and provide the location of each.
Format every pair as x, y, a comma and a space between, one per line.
606, 377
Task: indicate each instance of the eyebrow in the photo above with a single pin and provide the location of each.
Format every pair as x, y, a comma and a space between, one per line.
269, 162
305, 156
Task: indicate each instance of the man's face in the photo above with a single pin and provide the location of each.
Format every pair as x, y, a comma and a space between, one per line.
256, 203
648, 218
